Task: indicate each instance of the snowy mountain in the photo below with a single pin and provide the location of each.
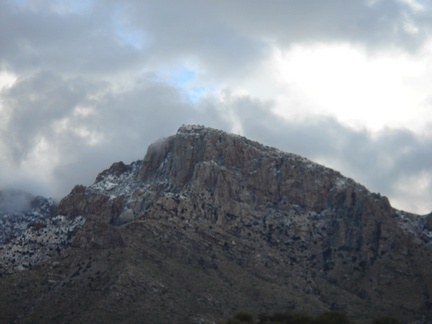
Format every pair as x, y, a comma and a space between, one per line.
207, 224
29, 233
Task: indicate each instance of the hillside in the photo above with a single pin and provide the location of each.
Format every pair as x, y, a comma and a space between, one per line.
210, 223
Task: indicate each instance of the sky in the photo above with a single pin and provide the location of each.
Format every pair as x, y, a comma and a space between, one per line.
345, 83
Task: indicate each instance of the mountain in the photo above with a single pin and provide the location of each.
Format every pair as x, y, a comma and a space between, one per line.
211, 223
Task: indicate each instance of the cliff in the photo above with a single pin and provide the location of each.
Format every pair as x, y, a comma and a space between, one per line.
209, 223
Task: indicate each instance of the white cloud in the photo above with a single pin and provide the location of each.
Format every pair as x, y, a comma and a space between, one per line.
7, 79
414, 5
375, 91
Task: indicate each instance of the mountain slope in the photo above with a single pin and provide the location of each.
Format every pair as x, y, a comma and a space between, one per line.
209, 223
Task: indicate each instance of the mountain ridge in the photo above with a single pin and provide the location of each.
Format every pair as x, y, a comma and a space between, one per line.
221, 223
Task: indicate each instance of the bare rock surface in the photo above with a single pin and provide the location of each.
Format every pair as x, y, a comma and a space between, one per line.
210, 223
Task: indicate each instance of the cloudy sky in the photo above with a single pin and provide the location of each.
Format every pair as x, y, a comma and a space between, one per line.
346, 83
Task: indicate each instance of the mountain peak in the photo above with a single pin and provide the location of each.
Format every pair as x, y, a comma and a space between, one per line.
221, 220
193, 129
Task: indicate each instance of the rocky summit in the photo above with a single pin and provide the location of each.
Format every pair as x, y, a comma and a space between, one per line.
209, 224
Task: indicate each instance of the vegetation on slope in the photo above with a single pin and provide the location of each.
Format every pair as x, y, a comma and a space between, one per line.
300, 318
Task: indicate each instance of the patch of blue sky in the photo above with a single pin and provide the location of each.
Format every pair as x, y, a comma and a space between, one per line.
185, 79
197, 92
181, 76
126, 33
129, 37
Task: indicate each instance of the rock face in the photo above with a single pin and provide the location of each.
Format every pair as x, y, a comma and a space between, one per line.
210, 223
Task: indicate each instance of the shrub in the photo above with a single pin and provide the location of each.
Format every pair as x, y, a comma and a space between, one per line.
299, 318
240, 318
285, 318
244, 317
386, 320
332, 318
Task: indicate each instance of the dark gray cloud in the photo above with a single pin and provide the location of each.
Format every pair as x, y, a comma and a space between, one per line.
74, 43
226, 36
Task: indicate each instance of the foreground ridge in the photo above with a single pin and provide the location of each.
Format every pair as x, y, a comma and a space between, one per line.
209, 223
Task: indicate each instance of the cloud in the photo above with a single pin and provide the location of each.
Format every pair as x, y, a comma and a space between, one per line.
14, 201
234, 34
34, 104
92, 84
37, 39
227, 37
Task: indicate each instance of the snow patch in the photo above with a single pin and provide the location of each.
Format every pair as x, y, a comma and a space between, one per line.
40, 241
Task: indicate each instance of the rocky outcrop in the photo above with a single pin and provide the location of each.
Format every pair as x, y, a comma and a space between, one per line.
209, 223
80, 202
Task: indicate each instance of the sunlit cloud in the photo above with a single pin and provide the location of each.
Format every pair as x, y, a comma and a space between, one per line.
360, 89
